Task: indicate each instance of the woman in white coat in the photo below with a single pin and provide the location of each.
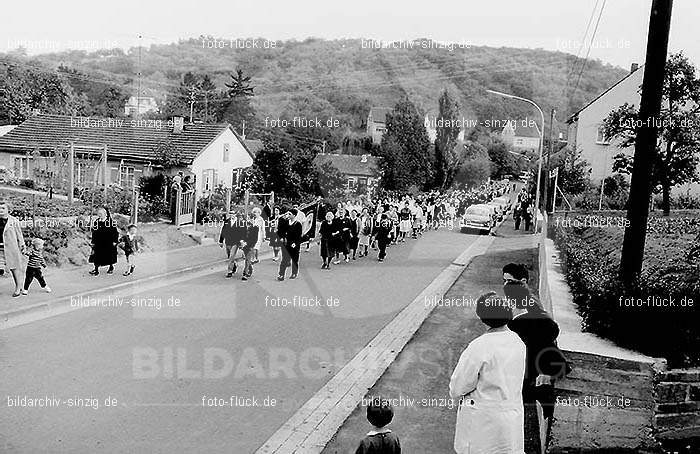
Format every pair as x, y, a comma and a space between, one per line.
488, 381
12, 246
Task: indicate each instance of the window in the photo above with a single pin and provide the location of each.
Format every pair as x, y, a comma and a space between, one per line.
126, 176
21, 167
351, 182
601, 138
227, 152
362, 182
237, 178
519, 141
209, 179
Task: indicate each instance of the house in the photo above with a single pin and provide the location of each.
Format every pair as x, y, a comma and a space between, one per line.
38, 149
376, 123
7, 128
585, 127
521, 135
139, 105
360, 171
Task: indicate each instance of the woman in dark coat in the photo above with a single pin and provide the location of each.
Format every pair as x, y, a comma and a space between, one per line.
105, 238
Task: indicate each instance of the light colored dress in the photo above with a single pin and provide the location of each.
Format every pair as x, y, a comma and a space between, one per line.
489, 375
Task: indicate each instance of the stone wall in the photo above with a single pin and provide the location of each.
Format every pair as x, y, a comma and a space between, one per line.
678, 409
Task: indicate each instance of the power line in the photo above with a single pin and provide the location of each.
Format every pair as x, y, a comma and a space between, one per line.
583, 67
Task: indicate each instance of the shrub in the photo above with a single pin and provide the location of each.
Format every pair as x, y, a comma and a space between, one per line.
591, 261
27, 183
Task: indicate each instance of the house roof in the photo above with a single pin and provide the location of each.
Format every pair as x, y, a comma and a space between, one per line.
6, 128
254, 146
379, 114
351, 164
573, 117
124, 141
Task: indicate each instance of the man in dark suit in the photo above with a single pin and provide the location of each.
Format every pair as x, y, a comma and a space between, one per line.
291, 245
232, 232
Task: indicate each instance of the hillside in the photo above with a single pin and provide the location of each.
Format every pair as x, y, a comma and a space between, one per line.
342, 79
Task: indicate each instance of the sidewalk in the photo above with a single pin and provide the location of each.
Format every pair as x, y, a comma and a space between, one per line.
419, 378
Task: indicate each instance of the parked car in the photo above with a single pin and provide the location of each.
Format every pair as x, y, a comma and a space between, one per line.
480, 217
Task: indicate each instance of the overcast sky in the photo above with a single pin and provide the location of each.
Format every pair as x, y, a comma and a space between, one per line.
549, 24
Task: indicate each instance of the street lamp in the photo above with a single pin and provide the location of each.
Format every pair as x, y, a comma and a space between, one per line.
539, 164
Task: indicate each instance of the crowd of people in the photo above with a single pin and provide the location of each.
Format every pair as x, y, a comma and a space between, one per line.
348, 231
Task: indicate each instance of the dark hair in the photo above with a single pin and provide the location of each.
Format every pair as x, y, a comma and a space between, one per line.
517, 270
294, 211
379, 412
493, 311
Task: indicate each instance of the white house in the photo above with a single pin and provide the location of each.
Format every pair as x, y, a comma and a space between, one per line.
521, 135
585, 131
210, 153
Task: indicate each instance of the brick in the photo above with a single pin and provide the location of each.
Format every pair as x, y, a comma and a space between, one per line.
694, 392
672, 392
680, 407
682, 375
678, 420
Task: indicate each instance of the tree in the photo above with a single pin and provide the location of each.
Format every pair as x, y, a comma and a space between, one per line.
23, 91
208, 92
475, 167
503, 162
574, 174
406, 156
329, 178
676, 158
236, 107
447, 156
167, 154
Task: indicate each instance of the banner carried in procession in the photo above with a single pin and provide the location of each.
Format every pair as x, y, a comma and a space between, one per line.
308, 222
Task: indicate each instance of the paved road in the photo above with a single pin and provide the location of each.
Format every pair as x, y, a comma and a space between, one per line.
158, 366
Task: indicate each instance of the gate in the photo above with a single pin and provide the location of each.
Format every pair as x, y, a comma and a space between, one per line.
185, 207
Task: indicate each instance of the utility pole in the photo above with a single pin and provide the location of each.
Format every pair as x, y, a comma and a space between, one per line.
551, 149
645, 143
138, 94
191, 103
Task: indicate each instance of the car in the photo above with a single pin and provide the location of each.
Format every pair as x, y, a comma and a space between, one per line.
478, 217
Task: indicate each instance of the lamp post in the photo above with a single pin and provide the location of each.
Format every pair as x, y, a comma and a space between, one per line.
539, 164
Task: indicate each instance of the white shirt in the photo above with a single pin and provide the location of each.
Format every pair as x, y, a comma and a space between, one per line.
489, 375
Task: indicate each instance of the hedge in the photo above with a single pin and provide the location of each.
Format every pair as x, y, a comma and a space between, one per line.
628, 317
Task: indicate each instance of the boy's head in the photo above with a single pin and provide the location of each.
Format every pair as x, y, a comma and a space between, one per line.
131, 228
515, 272
329, 216
493, 311
379, 412
37, 243
519, 296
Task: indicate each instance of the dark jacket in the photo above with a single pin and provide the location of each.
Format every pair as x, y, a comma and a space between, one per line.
293, 235
539, 333
381, 443
232, 234
105, 237
250, 235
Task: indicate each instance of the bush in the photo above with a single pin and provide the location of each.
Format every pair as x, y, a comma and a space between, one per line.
27, 183
118, 200
24, 206
591, 263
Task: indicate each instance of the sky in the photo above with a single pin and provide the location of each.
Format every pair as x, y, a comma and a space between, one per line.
42, 26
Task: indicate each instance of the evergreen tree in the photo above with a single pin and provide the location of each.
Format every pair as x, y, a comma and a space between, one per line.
405, 149
447, 159
236, 108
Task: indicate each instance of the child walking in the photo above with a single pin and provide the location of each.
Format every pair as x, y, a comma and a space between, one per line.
35, 264
379, 440
130, 245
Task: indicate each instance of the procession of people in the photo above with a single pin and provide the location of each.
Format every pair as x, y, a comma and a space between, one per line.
348, 230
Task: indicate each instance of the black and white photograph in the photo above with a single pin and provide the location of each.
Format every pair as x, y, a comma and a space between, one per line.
350, 228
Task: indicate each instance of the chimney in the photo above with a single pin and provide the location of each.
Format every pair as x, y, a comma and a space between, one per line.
364, 158
178, 124
634, 67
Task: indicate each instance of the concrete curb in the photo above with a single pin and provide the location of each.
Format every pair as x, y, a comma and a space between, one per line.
312, 426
